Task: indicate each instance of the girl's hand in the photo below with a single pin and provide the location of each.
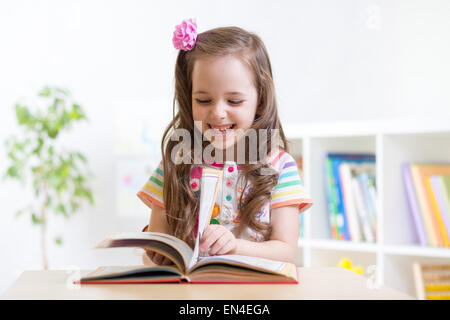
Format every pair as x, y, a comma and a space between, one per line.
218, 239
151, 258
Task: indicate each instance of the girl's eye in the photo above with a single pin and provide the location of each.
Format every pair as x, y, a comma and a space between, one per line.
203, 101
233, 102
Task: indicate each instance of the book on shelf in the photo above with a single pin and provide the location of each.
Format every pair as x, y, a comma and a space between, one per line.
413, 203
332, 202
354, 227
425, 186
189, 265
351, 196
367, 184
436, 212
362, 209
442, 196
186, 266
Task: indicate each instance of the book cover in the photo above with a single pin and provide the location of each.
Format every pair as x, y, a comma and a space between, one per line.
446, 187
367, 183
419, 173
341, 216
362, 210
361, 188
439, 194
419, 221
349, 202
434, 209
336, 159
331, 201
371, 186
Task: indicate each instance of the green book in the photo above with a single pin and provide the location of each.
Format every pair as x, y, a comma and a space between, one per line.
445, 186
446, 180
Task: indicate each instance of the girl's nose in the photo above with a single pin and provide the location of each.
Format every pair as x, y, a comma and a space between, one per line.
219, 110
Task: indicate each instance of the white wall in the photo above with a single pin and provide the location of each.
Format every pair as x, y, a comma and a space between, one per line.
332, 60
423, 58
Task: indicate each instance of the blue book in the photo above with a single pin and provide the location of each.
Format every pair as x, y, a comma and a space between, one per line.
336, 160
331, 200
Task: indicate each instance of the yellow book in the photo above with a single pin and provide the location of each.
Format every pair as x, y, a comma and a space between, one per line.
419, 172
436, 211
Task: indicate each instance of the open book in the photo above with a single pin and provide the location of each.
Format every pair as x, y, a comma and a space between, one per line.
189, 265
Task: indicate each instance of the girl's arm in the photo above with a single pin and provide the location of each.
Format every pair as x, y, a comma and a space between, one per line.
158, 223
282, 244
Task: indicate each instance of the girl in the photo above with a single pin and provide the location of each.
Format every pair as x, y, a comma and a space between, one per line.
224, 85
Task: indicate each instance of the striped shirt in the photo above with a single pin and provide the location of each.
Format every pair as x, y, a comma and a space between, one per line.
288, 191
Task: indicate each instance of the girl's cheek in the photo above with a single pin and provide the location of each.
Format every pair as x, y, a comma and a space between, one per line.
199, 124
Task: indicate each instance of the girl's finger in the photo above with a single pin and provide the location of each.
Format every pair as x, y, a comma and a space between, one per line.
226, 248
216, 246
210, 239
207, 241
210, 229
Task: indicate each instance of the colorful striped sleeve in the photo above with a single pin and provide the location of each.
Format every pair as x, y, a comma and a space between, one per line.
290, 189
152, 191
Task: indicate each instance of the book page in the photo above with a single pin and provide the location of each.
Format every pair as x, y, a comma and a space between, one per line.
176, 249
130, 272
208, 192
254, 263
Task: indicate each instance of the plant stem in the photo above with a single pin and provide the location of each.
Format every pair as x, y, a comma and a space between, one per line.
43, 244
44, 228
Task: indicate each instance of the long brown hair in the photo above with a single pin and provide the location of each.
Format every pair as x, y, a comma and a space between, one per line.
180, 204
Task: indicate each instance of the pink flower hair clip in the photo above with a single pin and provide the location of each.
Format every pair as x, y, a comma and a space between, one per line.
185, 35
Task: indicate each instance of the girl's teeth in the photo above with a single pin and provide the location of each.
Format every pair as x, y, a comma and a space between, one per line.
222, 130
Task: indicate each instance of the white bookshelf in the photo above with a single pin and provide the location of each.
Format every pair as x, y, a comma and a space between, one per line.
393, 142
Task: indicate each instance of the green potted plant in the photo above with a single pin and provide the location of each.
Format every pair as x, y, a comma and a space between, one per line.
59, 177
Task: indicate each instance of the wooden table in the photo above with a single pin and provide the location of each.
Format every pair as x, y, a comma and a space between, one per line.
315, 283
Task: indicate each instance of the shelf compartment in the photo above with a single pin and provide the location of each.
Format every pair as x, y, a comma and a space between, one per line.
318, 148
398, 272
322, 257
398, 225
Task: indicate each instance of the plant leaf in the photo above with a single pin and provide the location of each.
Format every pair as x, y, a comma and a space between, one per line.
61, 208
23, 115
45, 92
58, 241
19, 212
35, 219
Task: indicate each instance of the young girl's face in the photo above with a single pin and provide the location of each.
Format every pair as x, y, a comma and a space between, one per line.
224, 99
